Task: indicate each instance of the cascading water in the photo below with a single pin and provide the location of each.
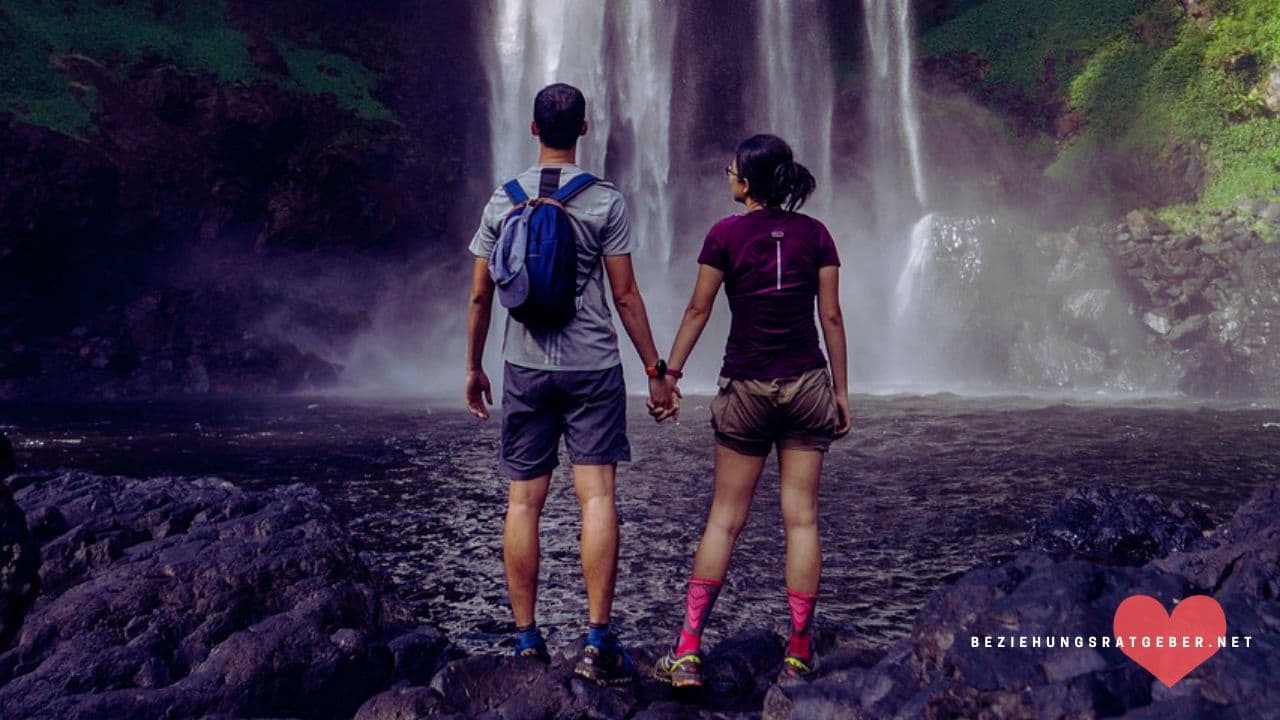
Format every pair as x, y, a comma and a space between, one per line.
895, 123
798, 85
918, 312
532, 50
624, 69
899, 193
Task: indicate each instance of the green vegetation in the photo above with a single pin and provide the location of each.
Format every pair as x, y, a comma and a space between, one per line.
318, 72
1017, 37
1144, 78
194, 35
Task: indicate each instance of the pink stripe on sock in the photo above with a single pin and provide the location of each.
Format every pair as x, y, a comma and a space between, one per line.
699, 599
802, 606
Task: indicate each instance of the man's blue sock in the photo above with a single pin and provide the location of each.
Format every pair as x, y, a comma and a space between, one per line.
527, 638
598, 634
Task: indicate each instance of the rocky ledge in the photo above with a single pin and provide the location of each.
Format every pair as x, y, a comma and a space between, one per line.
1209, 294
1098, 547
184, 598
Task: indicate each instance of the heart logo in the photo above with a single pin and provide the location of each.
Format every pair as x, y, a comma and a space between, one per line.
1174, 644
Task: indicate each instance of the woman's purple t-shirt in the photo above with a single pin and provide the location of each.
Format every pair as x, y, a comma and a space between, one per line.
770, 259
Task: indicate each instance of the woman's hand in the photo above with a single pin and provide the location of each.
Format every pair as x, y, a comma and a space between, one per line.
844, 419
666, 387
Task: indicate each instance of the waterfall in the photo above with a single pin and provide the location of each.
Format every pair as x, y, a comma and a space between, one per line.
533, 50
917, 260
619, 55
798, 85
895, 123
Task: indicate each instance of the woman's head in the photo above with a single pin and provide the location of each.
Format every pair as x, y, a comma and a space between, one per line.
763, 169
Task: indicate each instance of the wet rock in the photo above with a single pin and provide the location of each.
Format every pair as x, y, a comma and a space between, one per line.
1187, 332
167, 597
1144, 224
407, 703
1271, 213
1114, 526
8, 465
19, 559
418, 654
1160, 320
1272, 93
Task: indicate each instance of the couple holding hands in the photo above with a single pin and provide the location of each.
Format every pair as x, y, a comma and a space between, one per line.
776, 387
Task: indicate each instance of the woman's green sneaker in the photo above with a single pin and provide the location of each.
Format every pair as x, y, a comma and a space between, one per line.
794, 667
683, 671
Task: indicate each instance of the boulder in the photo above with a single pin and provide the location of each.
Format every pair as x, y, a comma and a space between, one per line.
8, 464
941, 672
1115, 526
1144, 225
1160, 320
1271, 95
174, 597
19, 556
1188, 331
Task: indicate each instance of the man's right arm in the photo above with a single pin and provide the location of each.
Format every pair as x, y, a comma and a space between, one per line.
478, 390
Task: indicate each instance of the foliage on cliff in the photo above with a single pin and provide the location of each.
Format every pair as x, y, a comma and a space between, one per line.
1146, 102
37, 34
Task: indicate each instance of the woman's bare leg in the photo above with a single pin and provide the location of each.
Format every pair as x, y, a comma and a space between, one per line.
801, 471
736, 475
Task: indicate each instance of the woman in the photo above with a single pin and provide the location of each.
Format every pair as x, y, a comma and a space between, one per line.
775, 387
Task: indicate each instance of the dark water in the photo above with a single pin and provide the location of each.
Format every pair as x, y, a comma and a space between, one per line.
924, 487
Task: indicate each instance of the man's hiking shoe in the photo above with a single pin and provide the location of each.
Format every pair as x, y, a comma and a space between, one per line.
537, 652
794, 667
606, 665
683, 671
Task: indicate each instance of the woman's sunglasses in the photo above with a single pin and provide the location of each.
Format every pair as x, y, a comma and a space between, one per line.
728, 170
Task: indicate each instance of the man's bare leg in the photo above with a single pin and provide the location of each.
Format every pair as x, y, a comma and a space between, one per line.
520, 548
595, 487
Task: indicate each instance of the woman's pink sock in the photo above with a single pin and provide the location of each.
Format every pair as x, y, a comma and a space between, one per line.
698, 600
801, 605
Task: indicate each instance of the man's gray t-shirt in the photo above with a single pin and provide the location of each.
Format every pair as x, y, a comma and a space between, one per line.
599, 219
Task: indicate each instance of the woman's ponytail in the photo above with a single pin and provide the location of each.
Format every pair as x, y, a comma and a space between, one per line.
792, 185
775, 178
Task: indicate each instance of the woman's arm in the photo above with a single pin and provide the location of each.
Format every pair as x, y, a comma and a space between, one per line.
833, 331
695, 315
695, 319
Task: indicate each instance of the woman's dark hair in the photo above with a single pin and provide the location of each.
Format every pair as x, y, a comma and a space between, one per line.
558, 111
765, 161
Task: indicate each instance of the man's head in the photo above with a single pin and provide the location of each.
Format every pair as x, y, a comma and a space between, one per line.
559, 116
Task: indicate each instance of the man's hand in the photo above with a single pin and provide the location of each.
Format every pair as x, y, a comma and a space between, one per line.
844, 419
478, 393
664, 398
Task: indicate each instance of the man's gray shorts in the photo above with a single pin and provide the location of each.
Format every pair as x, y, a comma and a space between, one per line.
589, 407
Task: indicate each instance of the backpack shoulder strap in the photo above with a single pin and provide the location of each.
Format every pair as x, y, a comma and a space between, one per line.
515, 192
580, 182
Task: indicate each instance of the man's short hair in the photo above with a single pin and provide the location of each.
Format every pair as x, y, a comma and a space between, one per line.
559, 111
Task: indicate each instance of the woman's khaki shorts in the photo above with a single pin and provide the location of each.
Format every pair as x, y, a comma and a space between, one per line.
751, 416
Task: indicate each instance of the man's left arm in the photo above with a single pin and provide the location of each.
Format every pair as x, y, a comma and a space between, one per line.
635, 320
477, 389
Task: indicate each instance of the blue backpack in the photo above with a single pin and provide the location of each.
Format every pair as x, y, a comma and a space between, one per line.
535, 261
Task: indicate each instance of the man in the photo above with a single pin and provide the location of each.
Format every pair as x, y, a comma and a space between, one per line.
566, 381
